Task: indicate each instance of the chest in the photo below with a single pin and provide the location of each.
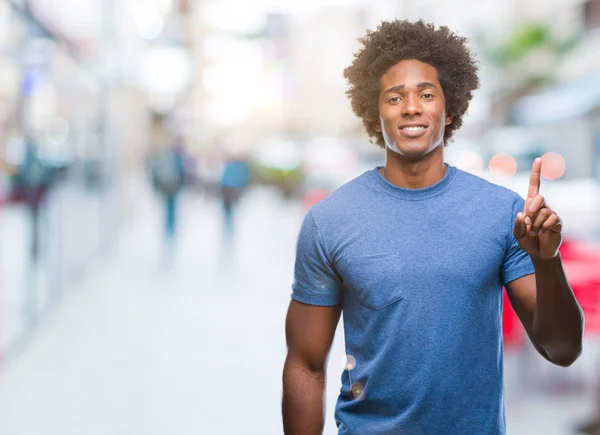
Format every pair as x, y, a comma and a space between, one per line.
428, 256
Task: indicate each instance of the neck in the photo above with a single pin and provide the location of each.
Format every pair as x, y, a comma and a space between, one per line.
414, 174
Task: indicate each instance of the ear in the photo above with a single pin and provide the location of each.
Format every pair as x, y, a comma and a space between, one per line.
377, 125
448, 120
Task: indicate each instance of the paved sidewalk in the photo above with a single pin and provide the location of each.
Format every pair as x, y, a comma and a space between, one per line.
142, 349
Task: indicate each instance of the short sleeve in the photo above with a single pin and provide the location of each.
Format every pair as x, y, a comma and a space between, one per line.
315, 280
517, 263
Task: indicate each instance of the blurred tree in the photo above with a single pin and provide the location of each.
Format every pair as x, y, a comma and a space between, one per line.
524, 61
526, 39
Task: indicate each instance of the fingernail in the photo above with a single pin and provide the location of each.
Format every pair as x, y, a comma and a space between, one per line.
527, 220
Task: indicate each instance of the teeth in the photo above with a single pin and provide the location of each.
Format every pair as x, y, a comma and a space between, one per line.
413, 128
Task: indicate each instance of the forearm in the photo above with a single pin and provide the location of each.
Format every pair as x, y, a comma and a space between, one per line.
303, 401
558, 318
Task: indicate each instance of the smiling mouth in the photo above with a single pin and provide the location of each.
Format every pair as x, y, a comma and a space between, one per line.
412, 130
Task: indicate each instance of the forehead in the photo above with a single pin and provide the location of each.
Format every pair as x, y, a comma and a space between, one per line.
409, 73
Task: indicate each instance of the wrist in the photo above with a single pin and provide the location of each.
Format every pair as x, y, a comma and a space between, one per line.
540, 263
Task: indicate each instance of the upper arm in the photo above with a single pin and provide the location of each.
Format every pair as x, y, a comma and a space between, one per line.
316, 281
522, 294
315, 308
309, 331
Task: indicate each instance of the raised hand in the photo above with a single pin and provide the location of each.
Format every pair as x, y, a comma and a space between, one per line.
537, 228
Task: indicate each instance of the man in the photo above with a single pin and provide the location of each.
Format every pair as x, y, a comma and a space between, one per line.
416, 254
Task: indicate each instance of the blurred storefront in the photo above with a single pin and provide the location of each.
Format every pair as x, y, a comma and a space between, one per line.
51, 111
565, 114
566, 119
66, 94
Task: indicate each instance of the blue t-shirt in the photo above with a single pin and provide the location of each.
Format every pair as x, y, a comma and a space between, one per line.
419, 274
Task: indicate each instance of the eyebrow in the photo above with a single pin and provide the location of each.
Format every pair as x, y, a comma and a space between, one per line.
421, 85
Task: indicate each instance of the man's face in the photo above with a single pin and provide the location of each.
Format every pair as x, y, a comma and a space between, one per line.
412, 109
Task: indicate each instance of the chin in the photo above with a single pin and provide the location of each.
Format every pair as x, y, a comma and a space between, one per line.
412, 150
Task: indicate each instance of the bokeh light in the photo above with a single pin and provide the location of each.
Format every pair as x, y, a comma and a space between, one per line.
57, 130
503, 164
470, 161
359, 392
350, 362
553, 166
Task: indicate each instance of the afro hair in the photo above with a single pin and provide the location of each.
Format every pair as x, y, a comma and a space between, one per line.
395, 41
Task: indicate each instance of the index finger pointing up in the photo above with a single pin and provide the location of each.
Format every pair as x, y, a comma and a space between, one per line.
534, 179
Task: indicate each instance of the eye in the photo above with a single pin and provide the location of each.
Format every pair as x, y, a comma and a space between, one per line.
394, 100
427, 95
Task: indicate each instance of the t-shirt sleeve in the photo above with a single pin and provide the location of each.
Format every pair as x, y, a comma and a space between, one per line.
517, 263
315, 279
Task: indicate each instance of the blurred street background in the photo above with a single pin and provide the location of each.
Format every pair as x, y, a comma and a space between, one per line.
157, 159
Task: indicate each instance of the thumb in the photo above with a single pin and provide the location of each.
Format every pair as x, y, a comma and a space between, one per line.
520, 227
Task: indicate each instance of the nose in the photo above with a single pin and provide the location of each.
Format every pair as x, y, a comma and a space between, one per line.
412, 106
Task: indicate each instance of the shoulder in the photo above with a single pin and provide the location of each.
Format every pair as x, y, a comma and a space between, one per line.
344, 199
485, 189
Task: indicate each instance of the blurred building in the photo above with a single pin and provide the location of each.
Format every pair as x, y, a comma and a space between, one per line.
564, 115
75, 82
86, 79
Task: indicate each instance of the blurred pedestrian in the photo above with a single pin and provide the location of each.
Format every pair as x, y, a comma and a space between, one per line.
168, 178
32, 180
416, 253
234, 180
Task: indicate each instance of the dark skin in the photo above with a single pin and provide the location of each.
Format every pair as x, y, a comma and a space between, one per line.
309, 333
544, 302
412, 95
